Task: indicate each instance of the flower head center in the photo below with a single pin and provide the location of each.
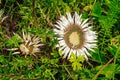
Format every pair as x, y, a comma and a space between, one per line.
74, 39
26, 48
74, 36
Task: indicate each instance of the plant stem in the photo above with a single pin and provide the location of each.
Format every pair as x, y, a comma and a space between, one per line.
95, 77
51, 74
67, 70
33, 11
115, 57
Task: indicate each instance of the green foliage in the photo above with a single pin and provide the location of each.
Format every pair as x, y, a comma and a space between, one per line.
1, 31
14, 41
109, 70
76, 61
2, 60
38, 18
96, 10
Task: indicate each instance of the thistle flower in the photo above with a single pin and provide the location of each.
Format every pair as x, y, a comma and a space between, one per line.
29, 46
75, 35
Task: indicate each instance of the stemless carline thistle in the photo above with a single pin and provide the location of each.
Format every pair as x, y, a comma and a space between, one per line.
29, 45
75, 35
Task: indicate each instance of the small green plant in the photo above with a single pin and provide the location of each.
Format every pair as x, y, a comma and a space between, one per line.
76, 61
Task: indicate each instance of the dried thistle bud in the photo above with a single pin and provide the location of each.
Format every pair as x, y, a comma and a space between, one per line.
29, 45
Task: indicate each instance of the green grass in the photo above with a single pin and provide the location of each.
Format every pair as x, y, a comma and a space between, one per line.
38, 17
